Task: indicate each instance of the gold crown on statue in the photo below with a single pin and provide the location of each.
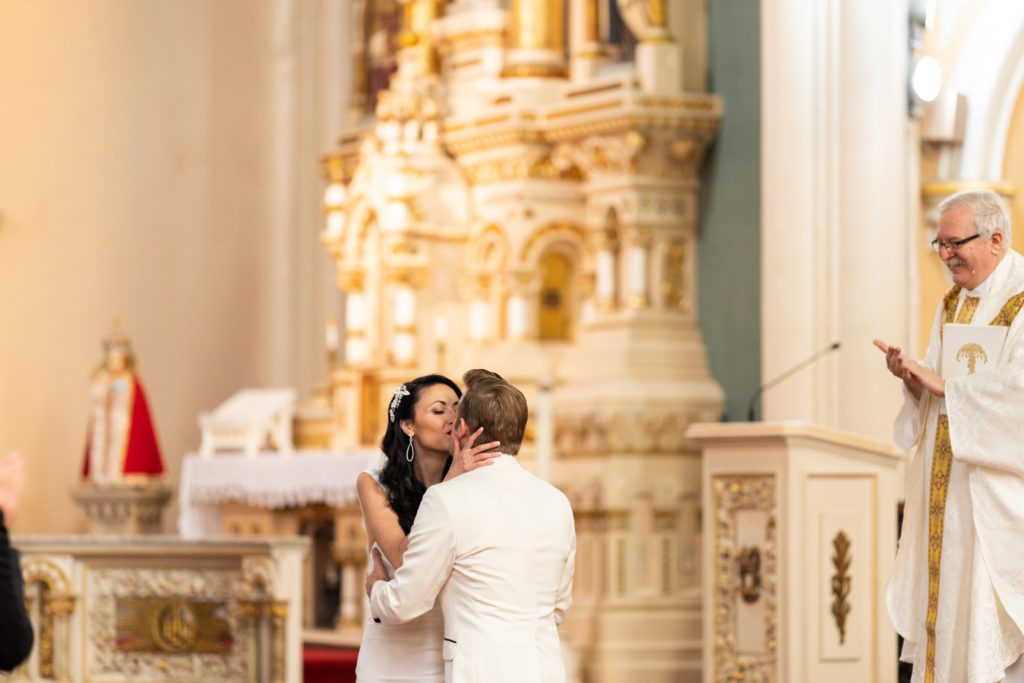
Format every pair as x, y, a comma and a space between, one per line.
117, 341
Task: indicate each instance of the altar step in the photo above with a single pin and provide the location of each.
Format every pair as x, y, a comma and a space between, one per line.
326, 664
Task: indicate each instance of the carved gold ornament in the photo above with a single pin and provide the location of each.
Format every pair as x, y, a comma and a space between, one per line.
673, 286
749, 561
729, 495
841, 581
173, 626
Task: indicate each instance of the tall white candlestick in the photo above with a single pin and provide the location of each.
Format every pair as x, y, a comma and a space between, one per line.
515, 317
545, 431
405, 306
355, 314
605, 275
637, 271
478, 320
331, 335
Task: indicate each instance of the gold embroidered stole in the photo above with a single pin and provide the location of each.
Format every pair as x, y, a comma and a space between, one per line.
942, 463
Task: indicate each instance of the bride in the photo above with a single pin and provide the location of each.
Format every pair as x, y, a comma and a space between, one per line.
416, 447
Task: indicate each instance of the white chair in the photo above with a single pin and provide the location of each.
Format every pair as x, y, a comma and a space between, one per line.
249, 420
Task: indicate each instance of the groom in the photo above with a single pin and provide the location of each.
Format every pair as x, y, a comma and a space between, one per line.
499, 546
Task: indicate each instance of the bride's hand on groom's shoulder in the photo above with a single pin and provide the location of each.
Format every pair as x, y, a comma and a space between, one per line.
469, 457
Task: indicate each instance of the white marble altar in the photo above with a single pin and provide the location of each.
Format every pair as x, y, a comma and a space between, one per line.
161, 608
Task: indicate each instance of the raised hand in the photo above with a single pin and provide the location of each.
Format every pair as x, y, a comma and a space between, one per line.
469, 457
11, 482
914, 375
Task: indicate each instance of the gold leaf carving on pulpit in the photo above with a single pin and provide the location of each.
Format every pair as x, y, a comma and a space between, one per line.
841, 581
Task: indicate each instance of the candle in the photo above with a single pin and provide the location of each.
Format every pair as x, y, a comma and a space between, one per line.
355, 318
637, 271
605, 275
515, 317
331, 335
478, 320
405, 306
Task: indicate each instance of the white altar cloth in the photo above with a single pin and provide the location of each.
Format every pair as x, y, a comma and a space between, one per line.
268, 480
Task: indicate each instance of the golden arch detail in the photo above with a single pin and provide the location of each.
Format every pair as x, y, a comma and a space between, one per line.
491, 238
47, 573
540, 239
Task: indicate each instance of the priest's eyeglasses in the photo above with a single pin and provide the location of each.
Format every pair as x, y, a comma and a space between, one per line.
952, 245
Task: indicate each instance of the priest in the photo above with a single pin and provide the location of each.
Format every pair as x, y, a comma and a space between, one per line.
957, 590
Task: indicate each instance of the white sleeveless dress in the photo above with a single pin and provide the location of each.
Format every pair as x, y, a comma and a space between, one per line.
401, 653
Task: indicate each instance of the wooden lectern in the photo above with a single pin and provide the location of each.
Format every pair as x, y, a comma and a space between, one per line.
799, 537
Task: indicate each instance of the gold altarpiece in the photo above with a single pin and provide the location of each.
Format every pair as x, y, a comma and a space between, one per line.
528, 206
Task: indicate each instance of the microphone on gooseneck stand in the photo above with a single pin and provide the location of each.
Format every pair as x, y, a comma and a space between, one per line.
799, 366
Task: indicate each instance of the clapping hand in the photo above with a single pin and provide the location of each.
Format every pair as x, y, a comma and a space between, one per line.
913, 374
470, 457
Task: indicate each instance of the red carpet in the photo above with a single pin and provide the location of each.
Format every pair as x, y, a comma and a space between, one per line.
322, 664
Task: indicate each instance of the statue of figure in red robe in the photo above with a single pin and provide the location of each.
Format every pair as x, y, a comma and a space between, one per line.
121, 445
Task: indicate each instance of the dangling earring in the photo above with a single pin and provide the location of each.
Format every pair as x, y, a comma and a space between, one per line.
410, 452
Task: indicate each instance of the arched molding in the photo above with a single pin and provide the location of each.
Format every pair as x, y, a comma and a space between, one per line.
47, 573
567, 238
488, 250
362, 219
989, 70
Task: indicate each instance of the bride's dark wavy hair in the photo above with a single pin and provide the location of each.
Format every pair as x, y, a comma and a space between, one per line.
405, 491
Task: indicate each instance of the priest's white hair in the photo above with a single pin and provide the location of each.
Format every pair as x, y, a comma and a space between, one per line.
988, 209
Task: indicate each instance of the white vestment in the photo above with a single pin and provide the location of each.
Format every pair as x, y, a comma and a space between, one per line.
499, 544
978, 613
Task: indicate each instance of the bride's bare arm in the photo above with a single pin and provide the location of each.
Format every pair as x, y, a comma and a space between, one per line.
380, 520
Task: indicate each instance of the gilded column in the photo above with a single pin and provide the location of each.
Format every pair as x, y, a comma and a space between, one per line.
516, 323
659, 59
638, 268
278, 620
647, 19
360, 87
479, 318
535, 43
606, 267
521, 306
418, 19
587, 49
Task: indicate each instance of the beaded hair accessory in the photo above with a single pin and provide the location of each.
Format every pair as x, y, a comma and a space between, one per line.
397, 401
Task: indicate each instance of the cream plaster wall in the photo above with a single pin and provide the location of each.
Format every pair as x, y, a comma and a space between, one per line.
834, 160
159, 164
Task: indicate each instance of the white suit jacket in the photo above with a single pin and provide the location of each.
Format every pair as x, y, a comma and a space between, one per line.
499, 544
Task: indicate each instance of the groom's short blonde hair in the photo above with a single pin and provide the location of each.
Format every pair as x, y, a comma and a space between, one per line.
497, 406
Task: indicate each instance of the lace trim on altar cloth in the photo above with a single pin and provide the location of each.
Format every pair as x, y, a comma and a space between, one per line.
275, 481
